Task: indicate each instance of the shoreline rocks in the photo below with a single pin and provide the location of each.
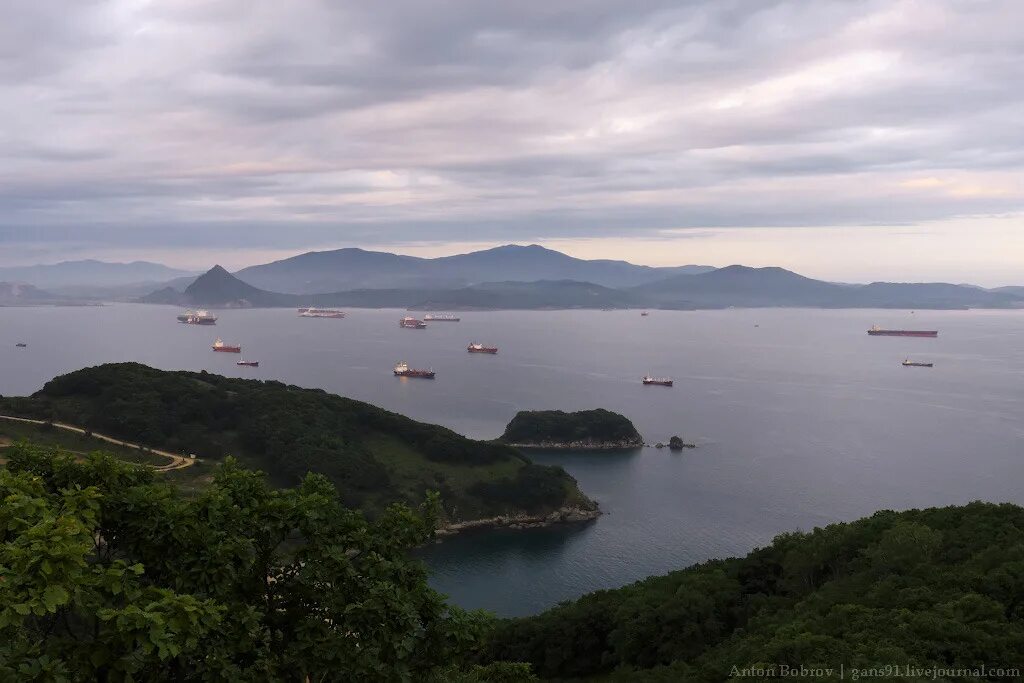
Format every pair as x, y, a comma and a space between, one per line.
587, 445
564, 515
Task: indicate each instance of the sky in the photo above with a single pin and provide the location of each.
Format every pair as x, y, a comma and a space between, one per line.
846, 140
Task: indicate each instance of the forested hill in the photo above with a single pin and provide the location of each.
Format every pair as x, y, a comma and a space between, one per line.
373, 456
939, 589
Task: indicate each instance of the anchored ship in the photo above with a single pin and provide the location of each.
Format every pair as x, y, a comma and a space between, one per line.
916, 364
442, 317
21, 345
249, 363
403, 370
877, 331
411, 323
320, 313
480, 348
657, 381
197, 318
219, 345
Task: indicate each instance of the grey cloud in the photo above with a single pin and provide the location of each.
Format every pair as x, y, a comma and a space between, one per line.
307, 123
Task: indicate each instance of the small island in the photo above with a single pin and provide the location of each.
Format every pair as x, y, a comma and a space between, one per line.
584, 430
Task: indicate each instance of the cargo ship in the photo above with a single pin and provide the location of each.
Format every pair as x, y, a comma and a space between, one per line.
320, 313
197, 318
21, 345
411, 323
916, 364
403, 370
219, 345
480, 348
442, 317
657, 381
877, 331
249, 363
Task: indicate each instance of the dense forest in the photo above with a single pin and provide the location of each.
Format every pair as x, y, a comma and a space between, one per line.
107, 574
374, 457
939, 590
594, 427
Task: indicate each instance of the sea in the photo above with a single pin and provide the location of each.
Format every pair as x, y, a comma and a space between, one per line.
800, 418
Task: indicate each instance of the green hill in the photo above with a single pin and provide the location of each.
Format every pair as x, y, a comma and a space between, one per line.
374, 457
939, 589
583, 429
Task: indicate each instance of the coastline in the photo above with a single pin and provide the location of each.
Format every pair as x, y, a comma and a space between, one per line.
625, 445
563, 515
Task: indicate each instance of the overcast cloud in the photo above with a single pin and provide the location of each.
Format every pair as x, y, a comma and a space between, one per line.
270, 125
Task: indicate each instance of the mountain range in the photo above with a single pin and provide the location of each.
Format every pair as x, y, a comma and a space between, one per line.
739, 286
59, 277
348, 269
511, 276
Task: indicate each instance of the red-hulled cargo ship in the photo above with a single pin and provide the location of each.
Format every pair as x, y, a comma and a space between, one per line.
403, 370
480, 348
411, 323
657, 381
877, 331
219, 345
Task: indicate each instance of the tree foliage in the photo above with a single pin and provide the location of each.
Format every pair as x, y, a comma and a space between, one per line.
106, 574
593, 426
937, 588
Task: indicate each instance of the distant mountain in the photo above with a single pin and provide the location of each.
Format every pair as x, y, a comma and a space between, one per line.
90, 273
733, 286
1012, 291
760, 287
352, 269
17, 294
218, 287
742, 286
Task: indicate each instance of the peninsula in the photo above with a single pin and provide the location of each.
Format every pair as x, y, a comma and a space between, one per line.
597, 429
372, 456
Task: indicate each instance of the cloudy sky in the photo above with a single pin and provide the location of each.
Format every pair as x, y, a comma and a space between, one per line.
854, 140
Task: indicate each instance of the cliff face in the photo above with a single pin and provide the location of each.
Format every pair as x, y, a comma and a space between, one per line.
584, 430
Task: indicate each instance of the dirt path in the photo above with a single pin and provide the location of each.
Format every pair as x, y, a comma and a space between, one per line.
177, 462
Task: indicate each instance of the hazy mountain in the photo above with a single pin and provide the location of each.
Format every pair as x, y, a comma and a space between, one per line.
1012, 291
739, 286
17, 294
742, 286
218, 287
759, 287
90, 273
352, 269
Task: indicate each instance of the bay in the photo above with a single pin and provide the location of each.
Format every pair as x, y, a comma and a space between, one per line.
800, 418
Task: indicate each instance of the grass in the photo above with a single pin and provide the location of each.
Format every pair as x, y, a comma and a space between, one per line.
73, 442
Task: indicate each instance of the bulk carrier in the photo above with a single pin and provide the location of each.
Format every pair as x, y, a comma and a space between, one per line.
877, 331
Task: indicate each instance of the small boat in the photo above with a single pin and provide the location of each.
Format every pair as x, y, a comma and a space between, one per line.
199, 317
480, 348
916, 364
657, 381
249, 363
219, 345
21, 345
403, 370
411, 323
442, 317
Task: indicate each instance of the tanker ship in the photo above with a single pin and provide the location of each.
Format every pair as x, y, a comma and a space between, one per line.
480, 348
403, 370
320, 313
219, 345
877, 331
657, 381
197, 318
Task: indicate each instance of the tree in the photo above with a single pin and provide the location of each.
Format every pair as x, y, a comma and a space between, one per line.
106, 574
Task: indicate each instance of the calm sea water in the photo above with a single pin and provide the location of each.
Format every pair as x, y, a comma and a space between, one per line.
801, 418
